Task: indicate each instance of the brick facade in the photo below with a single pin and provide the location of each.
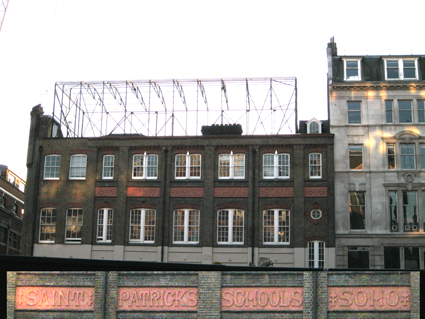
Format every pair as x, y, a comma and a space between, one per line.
174, 188
213, 294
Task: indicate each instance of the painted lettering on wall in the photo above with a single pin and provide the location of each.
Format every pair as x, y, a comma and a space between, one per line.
257, 298
54, 298
158, 299
368, 298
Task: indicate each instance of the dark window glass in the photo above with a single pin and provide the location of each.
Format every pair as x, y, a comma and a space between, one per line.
388, 111
407, 155
392, 257
357, 210
409, 69
411, 257
393, 210
358, 258
391, 156
405, 111
392, 70
3, 235
354, 112
421, 112
410, 217
13, 240
422, 150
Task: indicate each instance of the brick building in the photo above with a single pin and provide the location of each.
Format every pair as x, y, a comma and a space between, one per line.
377, 114
12, 200
230, 199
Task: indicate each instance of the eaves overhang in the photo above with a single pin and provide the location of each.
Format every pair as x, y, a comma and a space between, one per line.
399, 85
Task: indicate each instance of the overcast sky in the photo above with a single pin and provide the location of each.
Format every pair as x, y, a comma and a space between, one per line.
46, 41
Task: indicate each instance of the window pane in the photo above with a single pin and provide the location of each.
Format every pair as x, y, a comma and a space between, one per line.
357, 210
393, 210
356, 156
405, 111
421, 112
195, 165
108, 166
410, 216
392, 257
152, 165
389, 111
314, 128
391, 156
138, 165
392, 70
407, 155
354, 112
179, 225
52, 166
283, 165
409, 69
422, 152
224, 165
222, 226
180, 165
78, 166
358, 259
411, 257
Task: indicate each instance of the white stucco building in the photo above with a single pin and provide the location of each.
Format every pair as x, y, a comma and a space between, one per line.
376, 108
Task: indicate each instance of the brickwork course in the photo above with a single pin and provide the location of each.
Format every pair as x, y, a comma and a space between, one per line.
214, 294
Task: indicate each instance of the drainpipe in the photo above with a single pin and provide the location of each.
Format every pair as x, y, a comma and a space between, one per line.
37, 184
164, 193
254, 153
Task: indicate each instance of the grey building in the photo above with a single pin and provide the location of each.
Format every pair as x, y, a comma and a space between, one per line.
232, 199
377, 114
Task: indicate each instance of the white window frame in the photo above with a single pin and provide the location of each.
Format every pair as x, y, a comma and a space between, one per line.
319, 125
188, 166
231, 166
142, 225
359, 70
316, 214
49, 222
316, 254
401, 68
145, 166
276, 165
104, 225
75, 223
108, 168
72, 167
277, 227
310, 165
186, 238
55, 168
230, 226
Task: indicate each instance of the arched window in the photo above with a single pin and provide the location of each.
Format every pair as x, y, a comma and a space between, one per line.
230, 226
314, 127
276, 227
186, 226
142, 225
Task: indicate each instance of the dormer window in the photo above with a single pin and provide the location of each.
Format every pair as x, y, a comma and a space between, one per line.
352, 70
314, 127
401, 69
